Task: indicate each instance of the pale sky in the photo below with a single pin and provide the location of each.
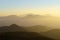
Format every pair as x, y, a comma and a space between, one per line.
22, 7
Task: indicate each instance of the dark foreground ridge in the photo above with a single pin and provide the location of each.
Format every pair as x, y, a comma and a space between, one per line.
15, 32
22, 36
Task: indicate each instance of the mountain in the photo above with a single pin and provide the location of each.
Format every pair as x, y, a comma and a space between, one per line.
37, 28
30, 20
34, 16
55, 33
15, 27
9, 17
23, 36
11, 28
15, 32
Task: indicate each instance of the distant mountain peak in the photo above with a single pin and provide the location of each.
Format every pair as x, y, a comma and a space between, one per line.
11, 28
13, 25
12, 16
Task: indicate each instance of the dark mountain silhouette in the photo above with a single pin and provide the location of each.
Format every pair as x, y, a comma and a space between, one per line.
55, 33
11, 28
22, 36
15, 32
15, 27
37, 28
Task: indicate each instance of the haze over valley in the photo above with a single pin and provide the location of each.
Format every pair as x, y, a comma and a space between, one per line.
29, 19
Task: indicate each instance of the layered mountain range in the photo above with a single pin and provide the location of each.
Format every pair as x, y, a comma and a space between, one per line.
31, 20
15, 32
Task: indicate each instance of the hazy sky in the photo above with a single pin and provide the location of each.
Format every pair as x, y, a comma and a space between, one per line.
20, 7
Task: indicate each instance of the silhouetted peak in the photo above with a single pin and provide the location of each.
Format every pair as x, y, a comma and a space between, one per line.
54, 30
34, 15
38, 25
30, 15
13, 25
12, 16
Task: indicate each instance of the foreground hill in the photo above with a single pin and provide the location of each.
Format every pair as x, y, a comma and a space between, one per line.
15, 32
22, 36
15, 27
37, 28
55, 33
11, 28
